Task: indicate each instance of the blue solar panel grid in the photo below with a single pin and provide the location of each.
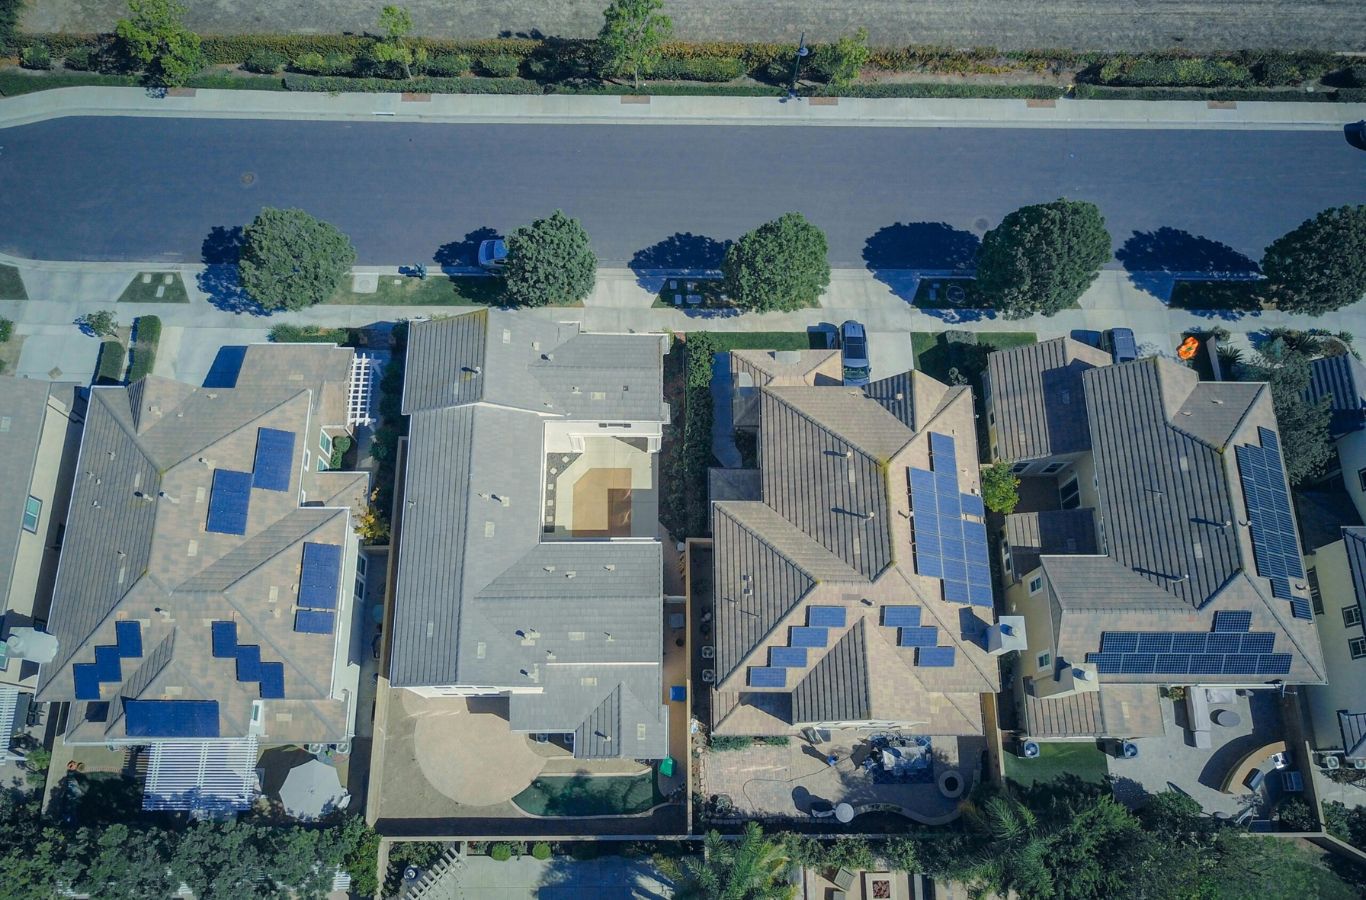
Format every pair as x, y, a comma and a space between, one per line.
86, 679
1223, 643
1258, 642
108, 665
900, 616
918, 636
972, 505
248, 662
956, 591
943, 452
224, 639
801, 636
1188, 642
825, 616
272, 681
1240, 664
787, 657
1172, 663
274, 459
128, 636
1232, 620
1273, 664
1119, 642
314, 621
1154, 642
1300, 609
767, 677
940, 657
171, 718
229, 500
320, 576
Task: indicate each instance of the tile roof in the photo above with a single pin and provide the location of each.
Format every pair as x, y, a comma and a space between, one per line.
480, 599
136, 553
1036, 398
1343, 378
1049, 531
1354, 542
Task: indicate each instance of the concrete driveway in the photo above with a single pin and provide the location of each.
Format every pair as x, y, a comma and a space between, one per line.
890, 353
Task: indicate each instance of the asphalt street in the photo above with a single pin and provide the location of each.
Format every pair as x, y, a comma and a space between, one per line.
656, 196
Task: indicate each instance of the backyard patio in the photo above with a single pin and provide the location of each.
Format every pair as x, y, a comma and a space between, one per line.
608, 490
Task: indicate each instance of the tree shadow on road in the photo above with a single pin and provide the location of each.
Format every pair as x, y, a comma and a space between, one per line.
678, 253
1154, 259
220, 253
898, 254
462, 254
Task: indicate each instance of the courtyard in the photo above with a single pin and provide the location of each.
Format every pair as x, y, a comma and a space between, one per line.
609, 490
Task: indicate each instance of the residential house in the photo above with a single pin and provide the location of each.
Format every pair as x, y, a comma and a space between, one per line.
528, 564
1342, 379
1337, 710
1154, 544
853, 589
39, 431
204, 599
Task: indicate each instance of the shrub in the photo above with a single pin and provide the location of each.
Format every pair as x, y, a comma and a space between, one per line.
1295, 815
335, 84
841, 62
264, 62
340, 444
447, 65
941, 89
382, 60
501, 852
6, 330
109, 368
499, 65
310, 63
721, 743
776, 71
999, 488
308, 334
147, 330
81, 59
36, 56
291, 260
714, 69
540, 850
1194, 71
100, 323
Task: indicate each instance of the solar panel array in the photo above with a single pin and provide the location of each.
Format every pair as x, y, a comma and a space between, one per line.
939, 657
229, 499
314, 621
825, 616
1232, 620
108, 665
900, 616
806, 636
1274, 547
320, 576
919, 636
274, 461
948, 545
1228, 650
787, 657
270, 676
171, 718
767, 676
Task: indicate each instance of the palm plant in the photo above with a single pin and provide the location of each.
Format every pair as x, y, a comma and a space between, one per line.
752, 868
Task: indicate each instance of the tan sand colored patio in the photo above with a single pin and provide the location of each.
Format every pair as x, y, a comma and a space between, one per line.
470, 756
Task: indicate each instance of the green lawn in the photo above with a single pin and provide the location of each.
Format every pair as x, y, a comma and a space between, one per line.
1082, 759
584, 795
11, 285
437, 290
144, 286
935, 356
1238, 296
768, 340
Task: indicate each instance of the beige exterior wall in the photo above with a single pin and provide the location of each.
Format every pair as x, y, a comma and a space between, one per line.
1352, 458
1346, 687
1038, 624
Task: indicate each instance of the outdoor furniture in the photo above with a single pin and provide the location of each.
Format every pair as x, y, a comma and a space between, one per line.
844, 879
1227, 718
312, 789
1239, 774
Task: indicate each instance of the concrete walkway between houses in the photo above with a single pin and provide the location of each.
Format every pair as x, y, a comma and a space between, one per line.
559, 108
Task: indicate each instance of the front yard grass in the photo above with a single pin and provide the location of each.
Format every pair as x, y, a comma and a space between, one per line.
767, 340
11, 285
1083, 759
145, 285
436, 290
935, 355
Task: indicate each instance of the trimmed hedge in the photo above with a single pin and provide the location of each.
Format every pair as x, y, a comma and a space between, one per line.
498, 65
143, 357
656, 89
713, 69
109, 369
339, 85
1097, 92
447, 65
265, 62
36, 56
309, 334
937, 89
1145, 71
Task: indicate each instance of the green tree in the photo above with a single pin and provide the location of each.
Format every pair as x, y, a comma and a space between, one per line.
35, 766
396, 23
120, 861
1306, 442
550, 262
1321, 265
633, 31
1042, 258
999, 488
841, 62
154, 35
752, 868
781, 265
291, 260
100, 323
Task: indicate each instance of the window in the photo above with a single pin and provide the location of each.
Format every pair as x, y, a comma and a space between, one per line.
1019, 468
1070, 495
1351, 615
322, 463
1361, 478
1357, 646
306, 460
1052, 467
33, 509
1036, 584
1045, 660
324, 443
1314, 593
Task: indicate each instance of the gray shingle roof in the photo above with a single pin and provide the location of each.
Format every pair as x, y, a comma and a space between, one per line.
1343, 378
1354, 542
479, 598
23, 409
836, 688
1036, 398
1353, 727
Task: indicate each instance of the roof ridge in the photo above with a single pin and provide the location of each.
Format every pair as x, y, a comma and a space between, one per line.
723, 505
795, 388
953, 634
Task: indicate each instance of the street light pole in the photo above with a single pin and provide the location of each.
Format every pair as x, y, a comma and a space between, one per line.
797, 65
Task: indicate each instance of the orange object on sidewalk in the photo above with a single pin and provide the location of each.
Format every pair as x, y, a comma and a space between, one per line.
1188, 348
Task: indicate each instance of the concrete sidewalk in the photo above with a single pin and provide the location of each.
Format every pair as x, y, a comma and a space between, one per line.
556, 109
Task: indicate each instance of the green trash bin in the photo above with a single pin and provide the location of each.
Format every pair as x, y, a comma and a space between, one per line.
666, 766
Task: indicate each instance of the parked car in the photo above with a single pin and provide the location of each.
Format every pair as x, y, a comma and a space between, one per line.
854, 347
493, 254
1120, 344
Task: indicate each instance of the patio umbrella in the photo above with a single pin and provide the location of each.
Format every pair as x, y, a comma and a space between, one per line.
311, 789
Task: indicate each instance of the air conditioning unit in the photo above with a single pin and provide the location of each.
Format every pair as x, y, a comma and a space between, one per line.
1331, 762
1028, 750
709, 676
1359, 763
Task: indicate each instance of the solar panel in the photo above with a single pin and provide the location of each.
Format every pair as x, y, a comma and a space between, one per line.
955, 591
171, 718
919, 636
972, 505
248, 662
320, 577
825, 616
932, 567
787, 657
955, 569
311, 621
272, 681
1232, 620
1280, 586
224, 639
1258, 642
87, 681
229, 499
939, 657
274, 459
802, 636
1223, 643
921, 479
943, 452
1240, 664
900, 616
1300, 609
979, 594
948, 546
1138, 664
128, 636
107, 664
1207, 664
1118, 642
1275, 550
767, 677
1188, 642
1105, 663
1154, 642
926, 523
975, 533
1273, 664
1172, 663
